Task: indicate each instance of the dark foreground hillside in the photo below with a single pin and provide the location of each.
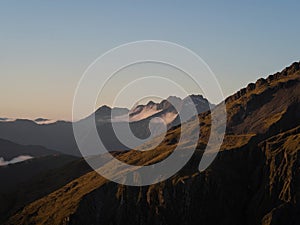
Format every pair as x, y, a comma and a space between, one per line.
255, 179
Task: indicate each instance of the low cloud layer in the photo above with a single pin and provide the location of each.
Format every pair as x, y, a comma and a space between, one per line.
20, 158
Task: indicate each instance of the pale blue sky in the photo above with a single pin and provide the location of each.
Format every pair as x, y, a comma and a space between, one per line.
45, 46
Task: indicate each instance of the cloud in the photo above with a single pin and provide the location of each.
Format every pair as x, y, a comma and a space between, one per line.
20, 158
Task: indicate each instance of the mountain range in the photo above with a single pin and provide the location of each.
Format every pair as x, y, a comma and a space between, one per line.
59, 135
254, 180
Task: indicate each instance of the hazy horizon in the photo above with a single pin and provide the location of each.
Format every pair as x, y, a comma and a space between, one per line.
46, 46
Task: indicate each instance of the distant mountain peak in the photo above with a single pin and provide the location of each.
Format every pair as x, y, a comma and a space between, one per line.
197, 98
173, 98
103, 111
104, 108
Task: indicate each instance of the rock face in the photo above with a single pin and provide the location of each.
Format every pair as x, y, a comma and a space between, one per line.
255, 179
168, 108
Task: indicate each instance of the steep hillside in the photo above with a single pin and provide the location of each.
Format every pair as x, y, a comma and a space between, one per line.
25, 182
270, 105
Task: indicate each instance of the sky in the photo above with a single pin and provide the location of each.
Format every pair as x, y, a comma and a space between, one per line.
45, 46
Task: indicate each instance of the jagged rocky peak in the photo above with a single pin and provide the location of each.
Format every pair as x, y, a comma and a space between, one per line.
197, 99
168, 104
164, 104
150, 103
288, 72
291, 70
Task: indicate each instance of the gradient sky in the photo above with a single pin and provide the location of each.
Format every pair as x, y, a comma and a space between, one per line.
45, 46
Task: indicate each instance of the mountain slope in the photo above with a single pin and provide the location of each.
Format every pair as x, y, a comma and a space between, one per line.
58, 135
24, 182
254, 179
10, 150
